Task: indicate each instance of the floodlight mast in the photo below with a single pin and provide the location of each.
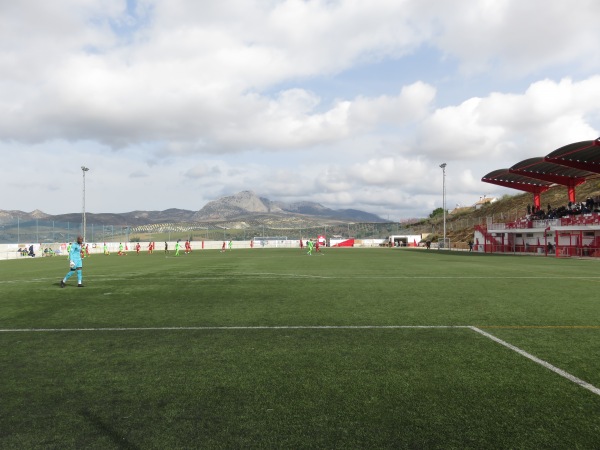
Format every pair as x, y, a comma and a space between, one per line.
83, 225
443, 167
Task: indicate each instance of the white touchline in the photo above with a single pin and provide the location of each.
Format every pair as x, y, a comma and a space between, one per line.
266, 327
547, 365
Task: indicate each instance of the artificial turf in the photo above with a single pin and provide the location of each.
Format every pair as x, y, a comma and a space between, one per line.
271, 348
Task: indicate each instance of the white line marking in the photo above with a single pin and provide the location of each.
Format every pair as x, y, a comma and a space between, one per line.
284, 327
541, 362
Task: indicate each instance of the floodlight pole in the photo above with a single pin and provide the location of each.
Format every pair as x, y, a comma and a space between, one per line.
84, 170
443, 167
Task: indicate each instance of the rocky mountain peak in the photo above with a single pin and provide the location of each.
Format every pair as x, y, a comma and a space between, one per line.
37, 214
247, 203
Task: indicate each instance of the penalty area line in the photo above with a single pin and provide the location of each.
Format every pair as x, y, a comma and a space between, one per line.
547, 365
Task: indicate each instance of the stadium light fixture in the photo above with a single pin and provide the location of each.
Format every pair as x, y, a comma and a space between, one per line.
443, 167
84, 170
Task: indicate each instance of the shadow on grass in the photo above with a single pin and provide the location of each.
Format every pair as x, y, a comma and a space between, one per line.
120, 440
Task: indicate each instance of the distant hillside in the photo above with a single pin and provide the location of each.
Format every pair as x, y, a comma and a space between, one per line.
169, 215
247, 203
243, 206
12, 216
359, 216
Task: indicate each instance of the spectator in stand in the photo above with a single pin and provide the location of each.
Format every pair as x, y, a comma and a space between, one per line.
586, 207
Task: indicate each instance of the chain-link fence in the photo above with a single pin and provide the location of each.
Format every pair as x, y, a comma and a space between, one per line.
44, 231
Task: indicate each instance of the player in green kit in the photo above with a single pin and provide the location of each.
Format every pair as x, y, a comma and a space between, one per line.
310, 245
177, 247
75, 263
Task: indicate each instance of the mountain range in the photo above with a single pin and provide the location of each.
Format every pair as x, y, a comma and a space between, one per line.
245, 205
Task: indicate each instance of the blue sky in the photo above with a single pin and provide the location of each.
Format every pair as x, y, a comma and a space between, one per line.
172, 104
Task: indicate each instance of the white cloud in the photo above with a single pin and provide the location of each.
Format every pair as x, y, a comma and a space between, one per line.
411, 105
176, 103
502, 126
517, 37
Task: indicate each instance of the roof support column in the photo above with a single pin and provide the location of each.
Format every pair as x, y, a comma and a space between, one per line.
571, 189
537, 201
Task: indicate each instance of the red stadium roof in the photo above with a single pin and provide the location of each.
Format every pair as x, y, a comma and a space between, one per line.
503, 177
583, 155
569, 166
541, 169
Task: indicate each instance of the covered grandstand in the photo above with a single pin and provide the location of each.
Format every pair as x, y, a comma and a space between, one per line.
572, 230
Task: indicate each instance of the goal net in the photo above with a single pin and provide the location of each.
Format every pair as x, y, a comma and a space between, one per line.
444, 244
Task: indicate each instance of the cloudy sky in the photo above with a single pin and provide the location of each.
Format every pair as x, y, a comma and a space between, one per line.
350, 103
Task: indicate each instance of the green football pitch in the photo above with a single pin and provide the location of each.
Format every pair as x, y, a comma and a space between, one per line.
271, 348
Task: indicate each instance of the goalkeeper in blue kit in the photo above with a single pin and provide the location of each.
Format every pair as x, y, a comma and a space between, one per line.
75, 263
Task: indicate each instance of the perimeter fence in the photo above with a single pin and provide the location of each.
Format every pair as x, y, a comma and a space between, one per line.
44, 231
